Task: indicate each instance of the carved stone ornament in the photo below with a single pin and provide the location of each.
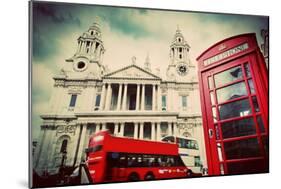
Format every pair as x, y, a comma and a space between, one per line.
190, 125
66, 129
182, 126
132, 74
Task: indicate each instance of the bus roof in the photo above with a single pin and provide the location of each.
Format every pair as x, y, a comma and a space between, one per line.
130, 145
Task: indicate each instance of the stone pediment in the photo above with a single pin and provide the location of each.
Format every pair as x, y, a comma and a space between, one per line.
132, 72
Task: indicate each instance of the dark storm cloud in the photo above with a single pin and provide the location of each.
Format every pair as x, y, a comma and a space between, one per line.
56, 13
50, 21
122, 20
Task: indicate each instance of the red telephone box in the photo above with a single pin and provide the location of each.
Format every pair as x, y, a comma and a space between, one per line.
233, 81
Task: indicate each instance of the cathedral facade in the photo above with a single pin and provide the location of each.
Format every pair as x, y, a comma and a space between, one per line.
133, 101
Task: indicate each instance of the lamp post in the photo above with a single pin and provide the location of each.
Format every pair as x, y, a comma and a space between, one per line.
62, 165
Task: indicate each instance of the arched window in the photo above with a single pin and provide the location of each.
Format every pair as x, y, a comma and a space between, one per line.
63, 146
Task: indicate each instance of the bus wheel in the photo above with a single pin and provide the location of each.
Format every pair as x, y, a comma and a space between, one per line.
189, 173
149, 176
134, 177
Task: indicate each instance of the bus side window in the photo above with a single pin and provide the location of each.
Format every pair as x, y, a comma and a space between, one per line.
148, 161
139, 161
130, 161
181, 143
122, 160
170, 161
155, 161
189, 144
135, 160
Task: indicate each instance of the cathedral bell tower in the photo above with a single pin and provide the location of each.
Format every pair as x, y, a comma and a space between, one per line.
87, 61
180, 64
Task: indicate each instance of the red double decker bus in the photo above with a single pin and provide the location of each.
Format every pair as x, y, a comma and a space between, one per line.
116, 159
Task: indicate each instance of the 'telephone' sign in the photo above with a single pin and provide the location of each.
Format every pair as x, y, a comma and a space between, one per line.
226, 54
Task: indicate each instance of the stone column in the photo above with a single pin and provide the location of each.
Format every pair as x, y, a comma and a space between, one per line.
108, 97
83, 46
78, 47
175, 129
81, 145
116, 129
159, 100
51, 149
103, 126
125, 97
102, 97
122, 125
136, 128
141, 130
97, 127
153, 97
93, 47
169, 128
143, 97
158, 132
119, 96
153, 131
138, 97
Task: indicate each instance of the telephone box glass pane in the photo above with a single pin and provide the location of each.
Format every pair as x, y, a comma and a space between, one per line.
214, 114
238, 128
239, 149
251, 85
228, 76
256, 105
212, 98
219, 151
247, 70
238, 108
260, 123
231, 92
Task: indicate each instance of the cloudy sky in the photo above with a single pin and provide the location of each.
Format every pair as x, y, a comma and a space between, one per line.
126, 33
